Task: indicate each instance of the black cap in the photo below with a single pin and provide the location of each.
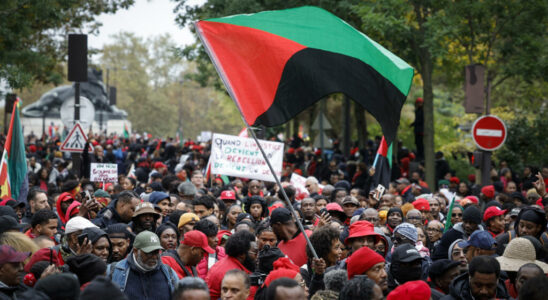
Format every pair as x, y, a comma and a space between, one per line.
9, 223
405, 253
12, 203
102, 288
59, 286
8, 211
280, 215
439, 267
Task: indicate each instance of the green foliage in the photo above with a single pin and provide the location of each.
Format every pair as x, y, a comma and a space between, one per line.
33, 35
526, 144
149, 79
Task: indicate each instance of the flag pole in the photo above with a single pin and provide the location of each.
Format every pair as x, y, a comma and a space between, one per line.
290, 206
224, 78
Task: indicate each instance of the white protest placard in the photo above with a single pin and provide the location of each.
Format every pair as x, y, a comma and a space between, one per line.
103, 172
241, 157
299, 182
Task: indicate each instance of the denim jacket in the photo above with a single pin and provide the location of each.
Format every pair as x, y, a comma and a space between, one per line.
120, 274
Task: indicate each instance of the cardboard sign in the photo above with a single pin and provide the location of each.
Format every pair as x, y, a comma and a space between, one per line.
103, 172
241, 157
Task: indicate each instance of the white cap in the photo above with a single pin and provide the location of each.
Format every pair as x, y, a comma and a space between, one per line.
78, 223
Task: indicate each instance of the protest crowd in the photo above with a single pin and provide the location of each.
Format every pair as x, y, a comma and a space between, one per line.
168, 229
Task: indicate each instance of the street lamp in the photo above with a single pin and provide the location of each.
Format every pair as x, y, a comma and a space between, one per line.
45, 110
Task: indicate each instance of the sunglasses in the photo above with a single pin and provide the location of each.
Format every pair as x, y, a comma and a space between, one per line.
456, 215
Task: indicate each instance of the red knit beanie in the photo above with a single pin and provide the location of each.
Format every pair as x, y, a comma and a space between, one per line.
411, 290
361, 261
283, 267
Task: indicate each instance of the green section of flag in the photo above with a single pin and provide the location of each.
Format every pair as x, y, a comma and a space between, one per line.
17, 163
448, 223
316, 28
126, 132
389, 155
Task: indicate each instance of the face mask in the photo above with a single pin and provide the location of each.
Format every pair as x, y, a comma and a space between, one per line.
403, 275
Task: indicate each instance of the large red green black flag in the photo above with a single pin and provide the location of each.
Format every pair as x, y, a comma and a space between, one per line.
277, 63
13, 166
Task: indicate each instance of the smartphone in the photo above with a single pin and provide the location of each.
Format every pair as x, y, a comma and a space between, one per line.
379, 191
323, 210
88, 195
81, 238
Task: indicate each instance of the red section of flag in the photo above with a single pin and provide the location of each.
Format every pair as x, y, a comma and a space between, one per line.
251, 62
243, 133
383, 148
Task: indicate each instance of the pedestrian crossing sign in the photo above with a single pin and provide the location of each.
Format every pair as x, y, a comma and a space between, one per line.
76, 140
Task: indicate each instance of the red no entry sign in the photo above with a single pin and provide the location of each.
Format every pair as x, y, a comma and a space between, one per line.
489, 133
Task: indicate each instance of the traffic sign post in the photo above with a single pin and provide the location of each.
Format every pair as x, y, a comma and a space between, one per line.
489, 133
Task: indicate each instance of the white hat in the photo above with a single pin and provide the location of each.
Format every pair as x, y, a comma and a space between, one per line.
78, 223
518, 252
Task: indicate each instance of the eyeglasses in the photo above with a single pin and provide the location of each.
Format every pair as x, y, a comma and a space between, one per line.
414, 218
456, 215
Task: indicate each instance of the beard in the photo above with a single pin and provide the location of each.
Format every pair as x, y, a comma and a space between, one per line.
249, 263
146, 266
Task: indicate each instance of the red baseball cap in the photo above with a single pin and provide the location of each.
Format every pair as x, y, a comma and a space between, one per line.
492, 211
197, 238
65, 197
334, 206
228, 195
473, 199
421, 204
10, 255
159, 164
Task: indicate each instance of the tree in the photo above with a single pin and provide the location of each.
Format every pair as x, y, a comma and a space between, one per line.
405, 28
149, 77
33, 35
509, 37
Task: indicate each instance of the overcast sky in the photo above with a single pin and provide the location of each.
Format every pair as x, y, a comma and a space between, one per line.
146, 18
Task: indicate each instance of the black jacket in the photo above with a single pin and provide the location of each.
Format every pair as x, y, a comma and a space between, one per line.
108, 216
11, 292
460, 289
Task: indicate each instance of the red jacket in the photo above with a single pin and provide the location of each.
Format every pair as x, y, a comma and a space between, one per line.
218, 271
170, 261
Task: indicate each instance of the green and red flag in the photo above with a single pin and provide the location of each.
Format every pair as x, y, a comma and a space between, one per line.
126, 131
382, 165
277, 63
13, 167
